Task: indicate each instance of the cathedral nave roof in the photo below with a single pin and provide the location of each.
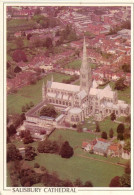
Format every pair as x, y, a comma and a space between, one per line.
63, 86
82, 94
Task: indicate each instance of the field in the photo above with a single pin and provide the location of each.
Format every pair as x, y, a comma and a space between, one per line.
99, 173
76, 64
30, 93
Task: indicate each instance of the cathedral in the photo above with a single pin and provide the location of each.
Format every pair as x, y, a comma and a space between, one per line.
80, 102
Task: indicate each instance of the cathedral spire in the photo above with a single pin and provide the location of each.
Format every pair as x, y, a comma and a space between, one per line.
84, 59
85, 71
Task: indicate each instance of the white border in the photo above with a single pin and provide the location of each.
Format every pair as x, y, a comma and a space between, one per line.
64, 3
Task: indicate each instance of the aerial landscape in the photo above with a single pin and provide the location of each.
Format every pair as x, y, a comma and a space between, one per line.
68, 96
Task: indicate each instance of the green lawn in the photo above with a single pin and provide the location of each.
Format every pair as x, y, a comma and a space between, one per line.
107, 124
30, 93
99, 173
76, 64
75, 139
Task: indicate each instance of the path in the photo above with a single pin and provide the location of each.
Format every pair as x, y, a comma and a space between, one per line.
121, 122
101, 160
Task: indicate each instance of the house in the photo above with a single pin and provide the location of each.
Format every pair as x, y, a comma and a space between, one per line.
101, 147
114, 150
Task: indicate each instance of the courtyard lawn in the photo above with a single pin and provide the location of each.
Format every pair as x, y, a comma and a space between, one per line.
30, 93
99, 173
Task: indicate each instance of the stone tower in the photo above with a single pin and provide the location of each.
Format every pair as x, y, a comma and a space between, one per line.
85, 71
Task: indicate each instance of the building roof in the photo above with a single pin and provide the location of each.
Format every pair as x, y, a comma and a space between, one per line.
82, 94
84, 144
101, 93
63, 86
75, 110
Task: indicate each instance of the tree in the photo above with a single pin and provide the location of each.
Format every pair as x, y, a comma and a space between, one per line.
66, 150
36, 165
126, 67
97, 127
27, 138
23, 109
30, 153
127, 146
29, 36
19, 55
111, 133
88, 184
119, 85
67, 183
78, 183
13, 153
104, 135
31, 104
48, 146
113, 116
11, 130
48, 110
120, 128
120, 136
128, 168
125, 180
48, 42
17, 69
115, 182
37, 11
79, 128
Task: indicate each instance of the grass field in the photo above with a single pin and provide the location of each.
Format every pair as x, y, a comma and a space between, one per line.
30, 93
99, 173
76, 64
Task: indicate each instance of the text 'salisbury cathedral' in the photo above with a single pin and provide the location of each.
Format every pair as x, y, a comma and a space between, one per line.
78, 102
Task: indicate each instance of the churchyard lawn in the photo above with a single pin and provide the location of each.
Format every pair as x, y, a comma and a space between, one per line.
30, 93
99, 173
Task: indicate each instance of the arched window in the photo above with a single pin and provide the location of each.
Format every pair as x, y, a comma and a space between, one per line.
56, 101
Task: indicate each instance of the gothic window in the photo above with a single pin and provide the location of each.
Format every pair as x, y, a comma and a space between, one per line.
56, 101
116, 111
63, 103
106, 110
50, 100
69, 103
59, 102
